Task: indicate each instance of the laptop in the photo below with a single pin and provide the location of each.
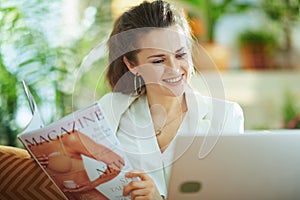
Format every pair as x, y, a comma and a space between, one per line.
253, 166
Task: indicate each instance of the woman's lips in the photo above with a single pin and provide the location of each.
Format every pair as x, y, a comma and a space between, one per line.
174, 80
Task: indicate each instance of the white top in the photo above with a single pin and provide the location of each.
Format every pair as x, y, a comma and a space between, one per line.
131, 121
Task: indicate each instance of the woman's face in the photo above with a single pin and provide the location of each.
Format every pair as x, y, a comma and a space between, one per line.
164, 61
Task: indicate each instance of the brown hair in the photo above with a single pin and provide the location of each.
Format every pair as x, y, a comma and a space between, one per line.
157, 14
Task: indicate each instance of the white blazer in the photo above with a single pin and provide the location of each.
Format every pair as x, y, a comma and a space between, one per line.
130, 120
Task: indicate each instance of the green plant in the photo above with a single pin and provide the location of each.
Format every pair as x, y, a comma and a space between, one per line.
285, 13
290, 112
29, 50
258, 36
8, 104
212, 10
256, 49
27, 54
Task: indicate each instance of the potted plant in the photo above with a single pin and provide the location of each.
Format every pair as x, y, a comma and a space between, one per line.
256, 48
285, 15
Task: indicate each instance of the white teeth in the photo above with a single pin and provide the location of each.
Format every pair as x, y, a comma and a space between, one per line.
173, 80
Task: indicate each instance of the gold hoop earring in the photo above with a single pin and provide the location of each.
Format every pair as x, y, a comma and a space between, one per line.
137, 82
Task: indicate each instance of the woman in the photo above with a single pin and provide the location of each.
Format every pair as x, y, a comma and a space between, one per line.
152, 102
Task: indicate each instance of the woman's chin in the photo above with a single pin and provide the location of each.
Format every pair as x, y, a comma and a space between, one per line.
177, 91
166, 89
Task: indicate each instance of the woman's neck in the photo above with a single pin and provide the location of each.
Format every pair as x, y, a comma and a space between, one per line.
167, 115
170, 105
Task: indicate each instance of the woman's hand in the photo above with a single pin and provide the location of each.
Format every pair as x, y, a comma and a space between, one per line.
144, 188
43, 160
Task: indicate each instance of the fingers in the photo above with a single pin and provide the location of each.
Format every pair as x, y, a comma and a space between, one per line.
117, 164
43, 160
136, 194
134, 186
145, 187
42, 157
137, 173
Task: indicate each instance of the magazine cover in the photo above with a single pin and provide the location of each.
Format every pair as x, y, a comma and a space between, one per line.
79, 153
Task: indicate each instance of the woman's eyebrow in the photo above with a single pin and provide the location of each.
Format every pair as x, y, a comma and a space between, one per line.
179, 49
161, 55
156, 55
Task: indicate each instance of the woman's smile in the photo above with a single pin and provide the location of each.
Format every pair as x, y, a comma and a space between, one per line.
174, 81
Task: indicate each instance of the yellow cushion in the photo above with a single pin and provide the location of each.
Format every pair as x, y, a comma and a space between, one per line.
22, 178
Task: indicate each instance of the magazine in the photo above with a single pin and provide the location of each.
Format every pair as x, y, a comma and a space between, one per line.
79, 153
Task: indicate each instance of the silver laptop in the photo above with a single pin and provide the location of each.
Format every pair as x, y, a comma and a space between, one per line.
253, 166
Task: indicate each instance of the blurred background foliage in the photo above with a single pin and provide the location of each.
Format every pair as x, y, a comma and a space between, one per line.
210, 11
58, 48
35, 48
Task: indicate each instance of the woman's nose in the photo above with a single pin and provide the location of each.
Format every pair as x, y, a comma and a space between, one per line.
174, 64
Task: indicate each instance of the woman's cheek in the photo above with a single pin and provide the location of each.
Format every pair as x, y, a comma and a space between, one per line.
151, 74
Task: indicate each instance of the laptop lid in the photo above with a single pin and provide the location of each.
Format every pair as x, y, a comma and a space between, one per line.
260, 166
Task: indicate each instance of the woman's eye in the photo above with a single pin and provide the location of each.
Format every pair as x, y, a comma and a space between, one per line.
181, 55
158, 61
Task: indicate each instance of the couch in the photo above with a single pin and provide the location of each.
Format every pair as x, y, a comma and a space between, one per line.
22, 178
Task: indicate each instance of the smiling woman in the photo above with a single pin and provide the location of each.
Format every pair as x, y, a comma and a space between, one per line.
163, 64
151, 103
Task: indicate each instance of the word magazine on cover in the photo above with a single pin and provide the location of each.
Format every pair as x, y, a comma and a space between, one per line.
80, 154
